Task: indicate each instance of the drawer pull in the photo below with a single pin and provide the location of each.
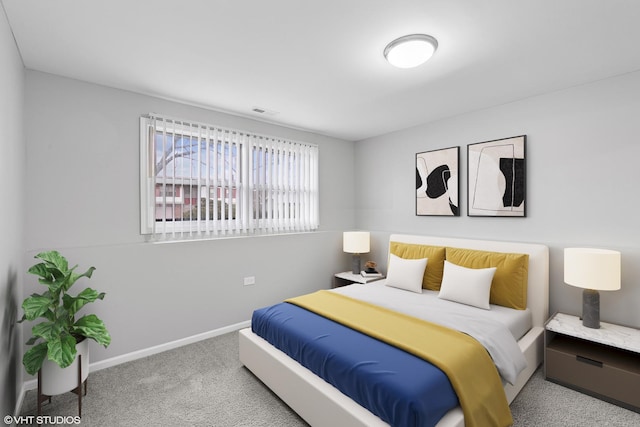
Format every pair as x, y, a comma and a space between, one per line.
589, 361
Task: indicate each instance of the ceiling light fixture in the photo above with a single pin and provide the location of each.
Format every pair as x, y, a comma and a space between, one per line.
410, 51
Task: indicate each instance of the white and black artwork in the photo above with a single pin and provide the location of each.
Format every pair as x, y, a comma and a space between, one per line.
437, 182
497, 179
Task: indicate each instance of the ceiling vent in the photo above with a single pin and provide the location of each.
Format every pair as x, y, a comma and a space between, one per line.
260, 110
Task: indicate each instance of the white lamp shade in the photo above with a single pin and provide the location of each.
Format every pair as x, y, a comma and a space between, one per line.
355, 242
588, 268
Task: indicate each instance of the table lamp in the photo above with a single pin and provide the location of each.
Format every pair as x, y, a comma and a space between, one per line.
593, 270
356, 243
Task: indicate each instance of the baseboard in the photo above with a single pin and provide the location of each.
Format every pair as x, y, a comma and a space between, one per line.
16, 411
139, 354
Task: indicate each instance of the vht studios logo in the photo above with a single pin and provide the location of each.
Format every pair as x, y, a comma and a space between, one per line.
41, 419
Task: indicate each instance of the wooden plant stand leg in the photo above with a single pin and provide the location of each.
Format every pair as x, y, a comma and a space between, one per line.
78, 390
41, 397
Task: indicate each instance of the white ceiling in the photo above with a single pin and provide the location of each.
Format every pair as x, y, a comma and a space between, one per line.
318, 65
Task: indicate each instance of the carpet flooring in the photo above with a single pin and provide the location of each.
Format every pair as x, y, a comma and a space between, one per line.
204, 384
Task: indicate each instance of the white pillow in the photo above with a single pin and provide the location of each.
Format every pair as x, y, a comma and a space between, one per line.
406, 273
469, 286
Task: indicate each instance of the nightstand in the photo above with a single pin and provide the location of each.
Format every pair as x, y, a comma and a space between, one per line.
347, 278
604, 363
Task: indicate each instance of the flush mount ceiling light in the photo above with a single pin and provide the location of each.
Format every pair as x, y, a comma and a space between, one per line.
410, 51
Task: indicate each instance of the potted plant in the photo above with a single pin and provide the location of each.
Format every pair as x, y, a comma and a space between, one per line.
57, 336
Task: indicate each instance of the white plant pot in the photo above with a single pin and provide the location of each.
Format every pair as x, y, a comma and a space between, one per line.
55, 380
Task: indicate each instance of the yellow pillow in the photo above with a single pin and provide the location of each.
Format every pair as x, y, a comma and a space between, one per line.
509, 285
435, 264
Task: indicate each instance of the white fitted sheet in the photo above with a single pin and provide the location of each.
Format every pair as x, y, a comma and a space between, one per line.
517, 321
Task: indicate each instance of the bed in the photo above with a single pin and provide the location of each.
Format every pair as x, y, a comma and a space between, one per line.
322, 404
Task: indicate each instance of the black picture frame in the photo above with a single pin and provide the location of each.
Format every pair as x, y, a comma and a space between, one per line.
437, 182
497, 180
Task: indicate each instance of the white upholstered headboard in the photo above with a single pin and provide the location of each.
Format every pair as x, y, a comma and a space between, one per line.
538, 281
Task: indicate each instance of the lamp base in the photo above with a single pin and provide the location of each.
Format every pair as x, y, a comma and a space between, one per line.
355, 264
591, 309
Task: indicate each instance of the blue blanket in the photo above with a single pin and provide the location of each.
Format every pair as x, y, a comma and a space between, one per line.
401, 389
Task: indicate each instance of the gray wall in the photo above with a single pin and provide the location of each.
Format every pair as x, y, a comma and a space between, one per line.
12, 173
83, 182
582, 176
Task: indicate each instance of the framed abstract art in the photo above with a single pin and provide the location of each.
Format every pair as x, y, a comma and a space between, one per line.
497, 177
437, 182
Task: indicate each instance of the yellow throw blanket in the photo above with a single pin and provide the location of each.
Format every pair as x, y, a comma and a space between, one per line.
464, 360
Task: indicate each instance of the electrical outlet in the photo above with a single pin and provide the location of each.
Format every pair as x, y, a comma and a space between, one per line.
250, 280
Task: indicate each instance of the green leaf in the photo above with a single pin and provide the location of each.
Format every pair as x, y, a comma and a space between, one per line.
74, 304
33, 358
43, 272
54, 260
50, 276
62, 350
73, 277
46, 330
35, 306
91, 326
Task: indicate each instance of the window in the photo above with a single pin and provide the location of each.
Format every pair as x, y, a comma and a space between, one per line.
201, 180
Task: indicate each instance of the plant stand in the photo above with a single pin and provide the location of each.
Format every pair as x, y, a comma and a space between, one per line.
78, 390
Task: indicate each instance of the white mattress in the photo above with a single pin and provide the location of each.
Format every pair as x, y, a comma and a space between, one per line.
517, 321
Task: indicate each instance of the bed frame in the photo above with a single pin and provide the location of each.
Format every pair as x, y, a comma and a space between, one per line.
321, 404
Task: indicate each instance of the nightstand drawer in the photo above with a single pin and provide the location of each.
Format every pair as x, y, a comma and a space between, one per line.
605, 371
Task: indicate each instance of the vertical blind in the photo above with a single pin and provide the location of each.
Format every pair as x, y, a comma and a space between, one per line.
200, 180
